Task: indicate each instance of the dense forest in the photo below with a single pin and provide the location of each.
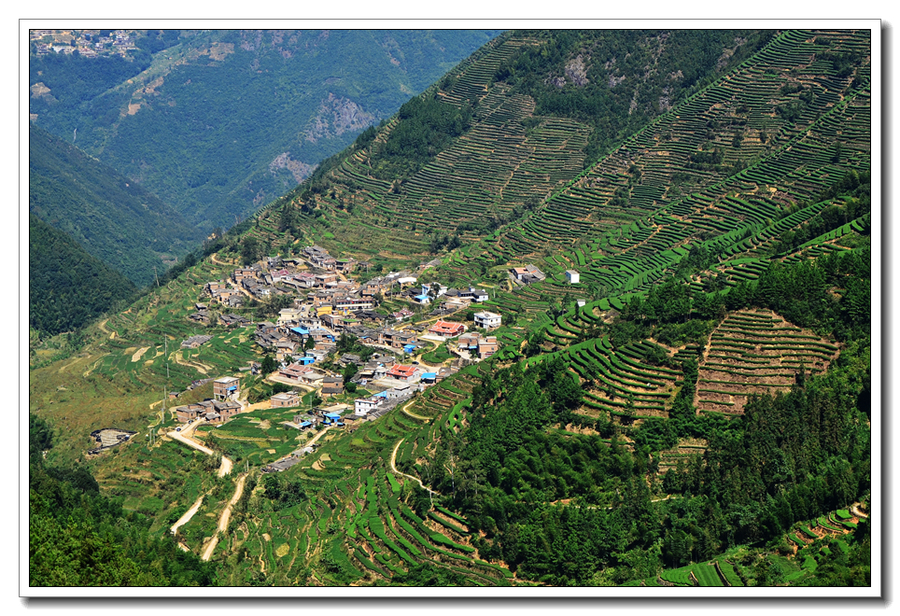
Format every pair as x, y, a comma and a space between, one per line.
789, 457
117, 221
67, 286
79, 537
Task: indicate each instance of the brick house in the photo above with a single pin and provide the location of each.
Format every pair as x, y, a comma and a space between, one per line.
447, 329
487, 346
285, 399
332, 386
226, 387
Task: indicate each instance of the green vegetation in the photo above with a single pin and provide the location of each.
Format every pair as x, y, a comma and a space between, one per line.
78, 537
113, 218
304, 95
591, 77
701, 419
68, 287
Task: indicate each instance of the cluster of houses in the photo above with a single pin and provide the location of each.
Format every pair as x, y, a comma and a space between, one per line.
220, 408
88, 43
327, 304
326, 290
477, 345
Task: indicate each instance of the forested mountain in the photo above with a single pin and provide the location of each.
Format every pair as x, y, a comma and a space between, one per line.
694, 408
67, 286
218, 123
114, 219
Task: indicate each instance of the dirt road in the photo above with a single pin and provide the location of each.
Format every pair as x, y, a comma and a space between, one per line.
318, 435
187, 516
184, 437
224, 518
394, 468
213, 258
406, 410
178, 436
226, 466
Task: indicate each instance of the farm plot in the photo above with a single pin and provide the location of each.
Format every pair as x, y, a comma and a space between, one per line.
756, 352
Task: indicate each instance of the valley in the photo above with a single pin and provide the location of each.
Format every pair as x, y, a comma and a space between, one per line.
502, 341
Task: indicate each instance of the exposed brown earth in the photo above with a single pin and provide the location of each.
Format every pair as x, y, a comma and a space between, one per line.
747, 355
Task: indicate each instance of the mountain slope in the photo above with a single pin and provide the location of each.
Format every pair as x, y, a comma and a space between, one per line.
114, 219
724, 252
221, 122
535, 109
67, 286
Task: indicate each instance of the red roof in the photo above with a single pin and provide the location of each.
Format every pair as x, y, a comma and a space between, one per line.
447, 328
402, 371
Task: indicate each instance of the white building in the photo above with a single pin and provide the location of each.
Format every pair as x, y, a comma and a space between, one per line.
364, 406
487, 320
573, 277
290, 314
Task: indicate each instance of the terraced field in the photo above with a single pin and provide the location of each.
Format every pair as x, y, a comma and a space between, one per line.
616, 381
628, 217
364, 532
684, 452
756, 352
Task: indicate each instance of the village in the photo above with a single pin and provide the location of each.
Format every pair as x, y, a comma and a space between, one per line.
88, 43
326, 310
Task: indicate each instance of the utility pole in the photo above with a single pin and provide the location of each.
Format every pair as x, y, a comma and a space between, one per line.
166, 389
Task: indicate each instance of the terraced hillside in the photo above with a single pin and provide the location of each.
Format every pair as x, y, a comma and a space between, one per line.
624, 438
753, 352
728, 162
510, 158
728, 170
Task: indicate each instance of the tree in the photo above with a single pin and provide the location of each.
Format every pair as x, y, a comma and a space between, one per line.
349, 371
251, 249
268, 365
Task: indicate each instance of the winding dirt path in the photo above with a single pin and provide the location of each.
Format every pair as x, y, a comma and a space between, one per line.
178, 436
188, 515
201, 368
394, 468
183, 437
213, 258
105, 330
854, 509
224, 518
226, 467
406, 410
